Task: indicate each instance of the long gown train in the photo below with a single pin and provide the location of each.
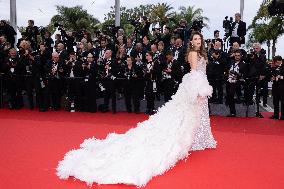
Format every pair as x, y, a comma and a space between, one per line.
154, 146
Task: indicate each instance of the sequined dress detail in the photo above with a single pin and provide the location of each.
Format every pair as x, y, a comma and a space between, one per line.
152, 147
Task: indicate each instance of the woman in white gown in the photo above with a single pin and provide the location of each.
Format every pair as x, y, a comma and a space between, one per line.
180, 126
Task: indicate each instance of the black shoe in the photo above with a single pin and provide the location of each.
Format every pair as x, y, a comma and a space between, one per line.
137, 111
114, 111
274, 117
264, 105
238, 101
105, 110
218, 102
231, 115
42, 110
149, 112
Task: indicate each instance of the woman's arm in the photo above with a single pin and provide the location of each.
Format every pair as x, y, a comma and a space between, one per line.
192, 59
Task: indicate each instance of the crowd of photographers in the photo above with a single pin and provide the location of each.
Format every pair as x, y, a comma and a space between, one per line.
146, 65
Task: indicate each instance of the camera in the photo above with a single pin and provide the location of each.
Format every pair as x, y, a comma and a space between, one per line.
110, 30
234, 76
197, 25
42, 30
227, 25
60, 26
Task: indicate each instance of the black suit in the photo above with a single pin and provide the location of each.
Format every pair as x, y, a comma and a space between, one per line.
152, 76
132, 75
231, 87
278, 91
171, 80
241, 32
56, 73
109, 78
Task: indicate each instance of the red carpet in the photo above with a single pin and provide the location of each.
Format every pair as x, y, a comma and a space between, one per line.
250, 151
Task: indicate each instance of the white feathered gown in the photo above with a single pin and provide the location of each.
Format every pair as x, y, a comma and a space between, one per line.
154, 146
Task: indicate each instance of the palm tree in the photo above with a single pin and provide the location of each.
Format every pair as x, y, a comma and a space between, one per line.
74, 18
266, 28
161, 12
191, 14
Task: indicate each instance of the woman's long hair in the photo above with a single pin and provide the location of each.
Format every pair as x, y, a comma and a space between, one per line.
202, 51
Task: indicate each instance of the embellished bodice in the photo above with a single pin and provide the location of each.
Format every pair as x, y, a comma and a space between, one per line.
201, 65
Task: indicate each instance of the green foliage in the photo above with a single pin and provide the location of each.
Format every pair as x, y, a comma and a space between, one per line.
74, 18
265, 27
160, 12
190, 14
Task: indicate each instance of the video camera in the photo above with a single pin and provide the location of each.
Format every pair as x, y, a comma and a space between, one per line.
227, 25
197, 25
110, 30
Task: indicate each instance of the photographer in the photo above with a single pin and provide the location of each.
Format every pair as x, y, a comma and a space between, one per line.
132, 74
63, 54
171, 75
236, 70
74, 82
157, 36
277, 73
145, 25
256, 73
48, 41
68, 40
238, 30
109, 72
166, 37
236, 47
32, 66
100, 55
215, 71
182, 30
32, 33
42, 81
179, 51
90, 74
152, 75
217, 38
7, 30
56, 73
14, 69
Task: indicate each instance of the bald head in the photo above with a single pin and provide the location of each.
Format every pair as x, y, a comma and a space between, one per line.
55, 56
108, 54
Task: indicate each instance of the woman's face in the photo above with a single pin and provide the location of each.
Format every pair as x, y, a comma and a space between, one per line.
122, 50
81, 45
196, 41
161, 47
148, 57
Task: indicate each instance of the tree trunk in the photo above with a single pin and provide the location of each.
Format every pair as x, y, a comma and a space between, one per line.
268, 49
273, 47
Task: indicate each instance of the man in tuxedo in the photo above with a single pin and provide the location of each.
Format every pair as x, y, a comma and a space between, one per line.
236, 71
179, 51
278, 87
171, 75
32, 32
238, 30
217, 38
109, 72
56, 72
7, 30
215, 71
63, 54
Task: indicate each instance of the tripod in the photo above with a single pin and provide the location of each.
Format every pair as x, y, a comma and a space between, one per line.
253, 82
